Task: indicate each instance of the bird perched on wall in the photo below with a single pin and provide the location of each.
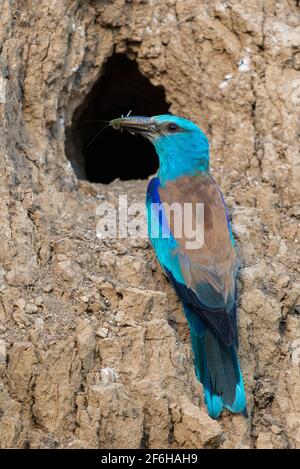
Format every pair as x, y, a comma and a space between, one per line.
202, 274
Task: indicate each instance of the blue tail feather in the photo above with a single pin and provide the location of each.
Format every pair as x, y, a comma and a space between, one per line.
217, 368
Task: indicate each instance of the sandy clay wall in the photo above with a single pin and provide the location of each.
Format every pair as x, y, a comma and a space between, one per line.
94, 348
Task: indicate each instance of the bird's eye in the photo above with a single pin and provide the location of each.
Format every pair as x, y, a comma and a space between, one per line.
172, 127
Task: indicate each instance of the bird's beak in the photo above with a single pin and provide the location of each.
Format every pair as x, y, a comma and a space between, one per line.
136, 125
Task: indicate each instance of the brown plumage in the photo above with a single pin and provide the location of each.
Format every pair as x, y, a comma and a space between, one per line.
215, 262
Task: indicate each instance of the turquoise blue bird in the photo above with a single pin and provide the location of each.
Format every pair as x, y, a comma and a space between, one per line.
203, 277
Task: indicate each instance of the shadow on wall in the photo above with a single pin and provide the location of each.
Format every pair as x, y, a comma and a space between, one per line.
112, 154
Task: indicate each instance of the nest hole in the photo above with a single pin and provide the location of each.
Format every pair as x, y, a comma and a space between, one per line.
102, 155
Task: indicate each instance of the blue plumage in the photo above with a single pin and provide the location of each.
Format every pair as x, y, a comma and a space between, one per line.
203, 278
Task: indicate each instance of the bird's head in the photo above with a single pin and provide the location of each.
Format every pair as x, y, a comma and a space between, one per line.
182, 147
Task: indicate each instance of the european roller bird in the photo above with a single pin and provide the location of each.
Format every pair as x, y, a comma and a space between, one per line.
204, 278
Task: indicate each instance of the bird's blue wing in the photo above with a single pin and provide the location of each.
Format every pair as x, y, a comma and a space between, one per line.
159, 232
202, 278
